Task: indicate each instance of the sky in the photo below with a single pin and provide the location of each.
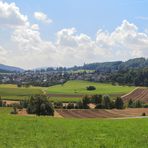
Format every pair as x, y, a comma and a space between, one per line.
72, 32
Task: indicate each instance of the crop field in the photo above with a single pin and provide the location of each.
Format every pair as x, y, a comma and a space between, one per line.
12, 92
72, 91
79, 87
102, 113
138, 94
32, 131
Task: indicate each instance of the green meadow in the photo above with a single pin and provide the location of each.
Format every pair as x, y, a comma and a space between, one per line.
49, 132
79, 87
12, 92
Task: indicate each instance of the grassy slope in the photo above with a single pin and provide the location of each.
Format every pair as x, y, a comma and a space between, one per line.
13, 92
24, 132
79, 87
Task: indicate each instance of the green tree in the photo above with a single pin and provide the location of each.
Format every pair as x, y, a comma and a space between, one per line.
106, 102
1, 102
97, 99
40, 105
86, 101
130, 103
119, 103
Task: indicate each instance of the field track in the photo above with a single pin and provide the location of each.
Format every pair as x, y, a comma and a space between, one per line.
138, 94
102, 113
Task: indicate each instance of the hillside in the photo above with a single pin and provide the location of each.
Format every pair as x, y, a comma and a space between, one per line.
79, 87
115, 66
6, 68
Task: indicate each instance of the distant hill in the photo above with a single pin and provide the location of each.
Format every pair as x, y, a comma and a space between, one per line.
114, 66
6, 68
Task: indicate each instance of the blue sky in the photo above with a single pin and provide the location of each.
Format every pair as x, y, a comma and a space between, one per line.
38, 33
86, 15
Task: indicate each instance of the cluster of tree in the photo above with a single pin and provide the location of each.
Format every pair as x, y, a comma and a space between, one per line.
37, 104
108, 67
137, 77
136, 104
101, 102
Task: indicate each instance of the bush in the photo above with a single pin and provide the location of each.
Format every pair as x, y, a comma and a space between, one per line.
79, 105
143, 114
145, 106
70, 106
130, 103
58, 105
99, 106
24, 103
91, 88
14, 111
40, 105
1, 102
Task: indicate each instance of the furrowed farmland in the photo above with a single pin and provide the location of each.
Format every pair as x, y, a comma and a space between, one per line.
137, 94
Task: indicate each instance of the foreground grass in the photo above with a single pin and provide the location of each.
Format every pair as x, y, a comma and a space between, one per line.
79, 87
43, 132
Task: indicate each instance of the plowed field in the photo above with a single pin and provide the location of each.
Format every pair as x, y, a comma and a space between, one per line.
102, 113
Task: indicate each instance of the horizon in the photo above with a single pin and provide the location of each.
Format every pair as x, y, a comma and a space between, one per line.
68, 33
72, 65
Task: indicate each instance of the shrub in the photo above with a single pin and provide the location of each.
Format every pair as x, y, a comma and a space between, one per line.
70, 106
24, 103
14, 111
99, 106
143, 114
58, 105
91, 88
1, 102
79, 105
130, 103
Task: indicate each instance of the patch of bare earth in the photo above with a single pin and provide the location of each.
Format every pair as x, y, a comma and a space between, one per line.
138, 94
101, 113
9, 102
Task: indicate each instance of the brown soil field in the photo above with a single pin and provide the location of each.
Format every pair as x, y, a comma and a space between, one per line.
138, 94
101, 113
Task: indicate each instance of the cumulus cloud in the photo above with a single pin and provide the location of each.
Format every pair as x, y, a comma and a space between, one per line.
10, 15
30, 50
42, 17
35, 27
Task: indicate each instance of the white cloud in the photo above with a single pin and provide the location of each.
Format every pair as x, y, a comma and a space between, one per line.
3, 53
30, 50
10, 15
42, 17
35, 27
